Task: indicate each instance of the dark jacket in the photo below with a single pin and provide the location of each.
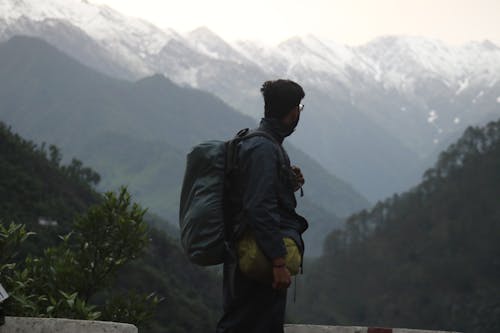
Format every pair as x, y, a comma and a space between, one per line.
267, 193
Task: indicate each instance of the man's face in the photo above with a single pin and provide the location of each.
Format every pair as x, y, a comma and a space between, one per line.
292, 119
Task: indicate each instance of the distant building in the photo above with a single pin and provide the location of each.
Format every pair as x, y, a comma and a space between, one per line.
46, 222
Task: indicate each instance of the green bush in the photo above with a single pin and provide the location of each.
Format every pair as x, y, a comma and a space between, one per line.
63, 281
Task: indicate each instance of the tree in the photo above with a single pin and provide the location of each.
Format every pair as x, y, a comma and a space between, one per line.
63, 281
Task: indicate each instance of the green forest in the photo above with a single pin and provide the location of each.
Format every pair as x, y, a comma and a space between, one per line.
51, 216
428, 258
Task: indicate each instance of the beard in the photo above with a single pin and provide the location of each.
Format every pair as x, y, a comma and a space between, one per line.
291, 128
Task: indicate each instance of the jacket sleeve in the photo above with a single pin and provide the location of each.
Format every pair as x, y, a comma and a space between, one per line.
260, 197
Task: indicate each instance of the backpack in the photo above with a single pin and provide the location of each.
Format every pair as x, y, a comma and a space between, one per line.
204, 223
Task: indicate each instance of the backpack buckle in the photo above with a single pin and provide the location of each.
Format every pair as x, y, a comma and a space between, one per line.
242, 132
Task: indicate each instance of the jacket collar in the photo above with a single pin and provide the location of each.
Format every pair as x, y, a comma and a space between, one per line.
275, 128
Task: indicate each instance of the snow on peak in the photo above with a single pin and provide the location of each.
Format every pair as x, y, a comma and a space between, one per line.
209, 43
433, 116
401, 59
396, 62
391, 62
204, 32
99, 21
485, 44
332, 53
462, 85
300, 55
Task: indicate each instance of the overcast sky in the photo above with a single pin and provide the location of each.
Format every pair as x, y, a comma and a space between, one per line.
350, 22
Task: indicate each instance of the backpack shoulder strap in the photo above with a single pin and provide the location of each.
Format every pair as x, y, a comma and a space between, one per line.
231, 164
244, 134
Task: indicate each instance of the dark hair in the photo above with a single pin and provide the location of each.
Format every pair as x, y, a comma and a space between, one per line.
280, 96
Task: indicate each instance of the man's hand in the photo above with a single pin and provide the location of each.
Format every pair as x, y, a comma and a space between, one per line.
299, 177
281, 275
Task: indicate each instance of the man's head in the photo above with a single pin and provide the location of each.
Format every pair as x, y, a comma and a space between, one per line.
281, 97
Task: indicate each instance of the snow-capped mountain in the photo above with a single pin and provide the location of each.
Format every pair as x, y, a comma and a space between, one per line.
402, 61
128, 40
208, 43
299, 56
393, 101
418, 89
99, 21
393, 62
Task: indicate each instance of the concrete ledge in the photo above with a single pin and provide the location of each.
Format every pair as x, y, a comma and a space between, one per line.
54, 325
351, 329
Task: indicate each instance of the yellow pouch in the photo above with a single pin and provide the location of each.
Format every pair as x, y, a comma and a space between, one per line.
254, 264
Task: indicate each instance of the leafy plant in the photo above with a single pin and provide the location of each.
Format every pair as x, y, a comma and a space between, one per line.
131, 307
62, 281
107, 237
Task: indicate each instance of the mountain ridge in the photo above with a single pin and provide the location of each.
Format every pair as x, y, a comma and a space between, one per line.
104, 23
415, 90
115, 124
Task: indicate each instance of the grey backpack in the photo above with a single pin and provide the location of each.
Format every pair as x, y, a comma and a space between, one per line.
202, 217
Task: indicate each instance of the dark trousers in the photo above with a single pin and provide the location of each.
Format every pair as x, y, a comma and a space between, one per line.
250, 306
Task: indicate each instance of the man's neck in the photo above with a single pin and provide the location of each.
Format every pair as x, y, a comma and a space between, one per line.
276, 128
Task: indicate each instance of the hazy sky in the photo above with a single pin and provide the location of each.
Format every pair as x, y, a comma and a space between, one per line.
345, 21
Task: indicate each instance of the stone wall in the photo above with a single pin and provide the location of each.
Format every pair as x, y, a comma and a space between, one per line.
351, 329
52, 325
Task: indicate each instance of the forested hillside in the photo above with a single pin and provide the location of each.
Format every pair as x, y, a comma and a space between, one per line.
47, 196
35, 187
428, 258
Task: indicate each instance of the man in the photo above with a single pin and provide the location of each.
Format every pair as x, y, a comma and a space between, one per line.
268, 208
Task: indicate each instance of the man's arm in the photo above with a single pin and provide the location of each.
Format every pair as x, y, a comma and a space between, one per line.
260, 203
